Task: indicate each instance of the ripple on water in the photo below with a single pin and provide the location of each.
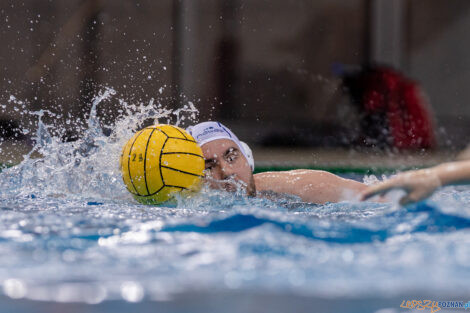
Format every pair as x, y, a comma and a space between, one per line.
69, 231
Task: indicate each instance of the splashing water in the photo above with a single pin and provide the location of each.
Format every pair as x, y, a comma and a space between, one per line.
69, 231
88, 166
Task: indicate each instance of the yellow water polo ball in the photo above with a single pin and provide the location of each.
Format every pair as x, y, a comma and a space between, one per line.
159, 161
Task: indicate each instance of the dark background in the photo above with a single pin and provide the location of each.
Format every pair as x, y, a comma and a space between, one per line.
264, 68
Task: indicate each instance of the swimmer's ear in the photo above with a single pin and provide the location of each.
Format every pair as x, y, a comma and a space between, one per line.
249, 155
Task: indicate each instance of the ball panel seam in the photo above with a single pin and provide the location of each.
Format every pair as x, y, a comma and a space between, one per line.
163, 132
154, 193
160, 161
181, 139
145, 161
177, 170
182, 188
129, 162
195, 154
181, 132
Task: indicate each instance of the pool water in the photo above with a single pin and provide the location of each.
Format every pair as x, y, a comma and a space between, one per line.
70, 232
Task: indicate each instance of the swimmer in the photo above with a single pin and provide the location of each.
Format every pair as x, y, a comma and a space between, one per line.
229, 162
421, 184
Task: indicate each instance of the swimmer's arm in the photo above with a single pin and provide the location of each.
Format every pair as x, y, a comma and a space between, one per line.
310, 185
454, 173
422, 183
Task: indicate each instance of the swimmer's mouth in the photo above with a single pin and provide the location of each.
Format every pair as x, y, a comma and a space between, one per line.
230, 187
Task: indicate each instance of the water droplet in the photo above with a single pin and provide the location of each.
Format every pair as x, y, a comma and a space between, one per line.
14, 288
132, 291
348, 256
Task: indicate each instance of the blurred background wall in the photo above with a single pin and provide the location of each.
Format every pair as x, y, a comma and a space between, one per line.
269, 69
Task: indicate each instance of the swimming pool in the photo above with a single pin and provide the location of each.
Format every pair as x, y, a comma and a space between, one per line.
72, 238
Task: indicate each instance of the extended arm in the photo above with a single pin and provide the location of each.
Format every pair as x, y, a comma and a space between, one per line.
422, 183
311, 186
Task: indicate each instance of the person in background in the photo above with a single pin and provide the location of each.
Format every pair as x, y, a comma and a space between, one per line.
229, 164
421, 184
394, 109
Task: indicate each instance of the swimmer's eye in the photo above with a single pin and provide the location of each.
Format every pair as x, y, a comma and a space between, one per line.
232, 155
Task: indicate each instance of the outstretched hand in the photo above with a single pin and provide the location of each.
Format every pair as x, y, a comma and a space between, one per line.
417, 185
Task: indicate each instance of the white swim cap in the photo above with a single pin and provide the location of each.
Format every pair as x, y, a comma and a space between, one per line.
209, 131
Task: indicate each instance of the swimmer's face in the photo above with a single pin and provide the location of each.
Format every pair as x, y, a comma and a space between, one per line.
225, 163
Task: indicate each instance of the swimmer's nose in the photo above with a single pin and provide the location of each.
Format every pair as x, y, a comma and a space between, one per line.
215, 174
228, 172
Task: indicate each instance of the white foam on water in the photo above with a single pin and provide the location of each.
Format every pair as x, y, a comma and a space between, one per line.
70, 231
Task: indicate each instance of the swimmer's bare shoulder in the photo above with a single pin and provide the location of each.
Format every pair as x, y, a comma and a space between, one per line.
310, 185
